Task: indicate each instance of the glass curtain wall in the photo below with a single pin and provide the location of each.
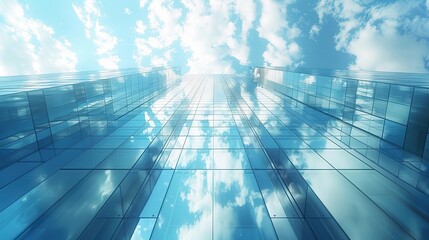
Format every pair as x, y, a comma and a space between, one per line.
218, 157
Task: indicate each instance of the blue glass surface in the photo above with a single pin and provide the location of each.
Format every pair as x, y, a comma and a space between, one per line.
23, 212
239, 211
368, 96
351, 208
187, 208
144, 229
150, 155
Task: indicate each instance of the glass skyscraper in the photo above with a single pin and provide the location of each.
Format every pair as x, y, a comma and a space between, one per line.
271, 154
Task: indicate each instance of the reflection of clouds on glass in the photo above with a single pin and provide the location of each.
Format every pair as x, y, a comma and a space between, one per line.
272, 122
361, 101
186, 157
160, 221
323, 184
198, 142
148, 120
199, 185
41, 177
249, 99
226, 131
227, 142
197, 194
272, 200
201, 229
107, 188
143, 229
221, 124
197, 131
196, 159
172, 159
184, 129
149, 131
230, 159
137, 233
199, 201
248, 141
335, 192
224, 217
306, 131
180, 142
185, 81
297, 190
310, 79
298, 158
230, 185
259, 214
239, 208
232, 182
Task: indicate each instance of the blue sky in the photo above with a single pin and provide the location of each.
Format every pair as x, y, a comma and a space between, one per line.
214, 36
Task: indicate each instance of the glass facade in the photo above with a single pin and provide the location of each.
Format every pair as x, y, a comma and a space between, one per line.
276, 155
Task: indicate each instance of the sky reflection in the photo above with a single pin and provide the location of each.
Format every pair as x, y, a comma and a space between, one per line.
221, 161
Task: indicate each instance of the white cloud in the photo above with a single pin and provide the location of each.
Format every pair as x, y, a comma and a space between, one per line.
142, 49
143, 3
239, 50
164, 20
314, 31
201, 229
346, 12
205, 36
86, 15
377, 37
140, 27
127, 11
104, 42
196, 6
383, 50
309, 80
281, 50
343, 9
213, 37
345, 35
28, 46
109, 62
246, 10
198, 197
419, 26
225, 216
158, 61
164, 25
205, 29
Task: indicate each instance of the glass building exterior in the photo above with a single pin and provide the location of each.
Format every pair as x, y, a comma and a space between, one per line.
272, 154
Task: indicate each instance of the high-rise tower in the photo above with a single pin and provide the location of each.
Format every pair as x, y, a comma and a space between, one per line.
275, 153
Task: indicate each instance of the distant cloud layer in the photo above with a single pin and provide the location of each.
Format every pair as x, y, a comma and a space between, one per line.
214, 32
282, 50
205, 31
205, 36
104, 42
382, 37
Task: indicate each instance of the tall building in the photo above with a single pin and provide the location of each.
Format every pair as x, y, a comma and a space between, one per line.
274, 153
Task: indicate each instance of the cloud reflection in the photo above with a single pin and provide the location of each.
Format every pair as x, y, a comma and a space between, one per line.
197, 194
